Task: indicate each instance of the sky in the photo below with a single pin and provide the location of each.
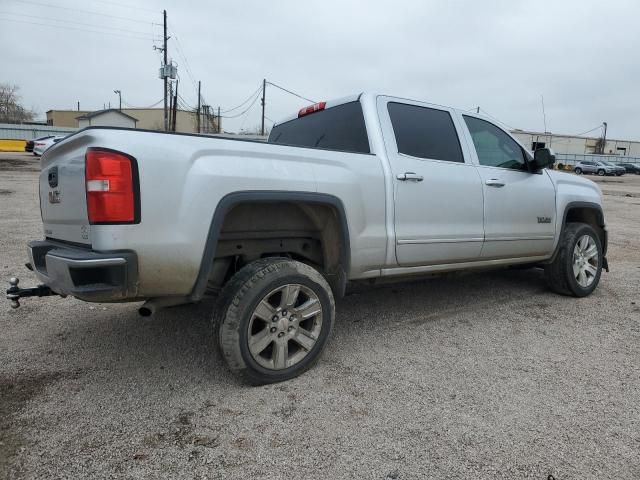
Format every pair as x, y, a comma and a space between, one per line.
500, 55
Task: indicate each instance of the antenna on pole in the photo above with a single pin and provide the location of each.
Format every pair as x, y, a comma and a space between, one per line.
264, 87
544, 115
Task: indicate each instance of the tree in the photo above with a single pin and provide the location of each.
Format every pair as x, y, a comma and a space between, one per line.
11, 110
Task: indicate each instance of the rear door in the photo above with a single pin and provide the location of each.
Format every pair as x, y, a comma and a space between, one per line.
519, 206
438, 195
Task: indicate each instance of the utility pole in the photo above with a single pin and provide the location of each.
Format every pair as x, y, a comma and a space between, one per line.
119, 98
604, 139
170, 105
78, 106
219, 120
478, 110
264, 88
198, 106
175, 108
164, 51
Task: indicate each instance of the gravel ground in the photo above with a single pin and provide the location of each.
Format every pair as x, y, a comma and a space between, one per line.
485, 375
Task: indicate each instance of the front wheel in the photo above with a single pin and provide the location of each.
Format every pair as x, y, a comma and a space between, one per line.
273, 319
602, 173
578, 171
577, 266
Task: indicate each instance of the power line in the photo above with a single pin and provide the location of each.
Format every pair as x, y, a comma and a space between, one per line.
79, 23
183, 56
150, 106
123, 5
243, 103
255, 99
79, 29
599, 127
184, 103
292, 93
128, 19
247, 115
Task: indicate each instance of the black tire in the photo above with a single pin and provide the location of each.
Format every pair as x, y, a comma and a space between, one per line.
602, 173
559, 274
578, 171
238, 301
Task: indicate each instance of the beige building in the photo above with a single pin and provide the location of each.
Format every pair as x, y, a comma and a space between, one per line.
107, 118
147, 118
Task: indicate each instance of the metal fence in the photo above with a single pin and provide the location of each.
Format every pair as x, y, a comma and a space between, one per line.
572, 159
14, 131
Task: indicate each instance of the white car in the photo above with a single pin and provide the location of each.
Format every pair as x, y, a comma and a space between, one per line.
41, 146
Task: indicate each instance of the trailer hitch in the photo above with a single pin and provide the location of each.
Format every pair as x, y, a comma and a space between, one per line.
14, 293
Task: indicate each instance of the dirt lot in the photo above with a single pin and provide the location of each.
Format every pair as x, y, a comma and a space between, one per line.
486, 375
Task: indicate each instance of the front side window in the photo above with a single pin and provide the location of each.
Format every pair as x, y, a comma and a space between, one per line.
494, 147
425, 132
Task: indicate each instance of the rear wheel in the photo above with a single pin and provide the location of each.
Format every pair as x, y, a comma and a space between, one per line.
577, 266
578, 171
273, 319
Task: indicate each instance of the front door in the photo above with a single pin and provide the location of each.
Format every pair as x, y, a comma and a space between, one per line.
438, 195
519, 206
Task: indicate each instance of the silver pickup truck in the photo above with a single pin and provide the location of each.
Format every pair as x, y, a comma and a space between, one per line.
360, 188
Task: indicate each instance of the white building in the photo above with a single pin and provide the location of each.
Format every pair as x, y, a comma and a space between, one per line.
572, 145
106, 118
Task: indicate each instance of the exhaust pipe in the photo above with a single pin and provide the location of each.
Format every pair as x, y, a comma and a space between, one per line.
151, 306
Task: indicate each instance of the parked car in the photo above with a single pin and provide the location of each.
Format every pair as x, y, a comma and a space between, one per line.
631, 168
41, 146
30, 143
598, 168
366, 187
618, 169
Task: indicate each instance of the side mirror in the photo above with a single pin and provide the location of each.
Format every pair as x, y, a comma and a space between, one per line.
543, 158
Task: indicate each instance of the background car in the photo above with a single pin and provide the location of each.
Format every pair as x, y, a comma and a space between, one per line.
41, 146
599, 168
631, 168
30, 143
618, 170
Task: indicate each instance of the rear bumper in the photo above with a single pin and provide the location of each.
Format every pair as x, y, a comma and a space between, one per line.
84, 273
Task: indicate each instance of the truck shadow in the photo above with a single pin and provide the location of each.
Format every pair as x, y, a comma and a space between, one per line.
178, 343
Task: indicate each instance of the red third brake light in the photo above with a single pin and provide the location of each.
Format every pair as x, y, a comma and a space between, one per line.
111, 187
316, 107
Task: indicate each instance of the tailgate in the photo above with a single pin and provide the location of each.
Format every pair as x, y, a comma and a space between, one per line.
63, 202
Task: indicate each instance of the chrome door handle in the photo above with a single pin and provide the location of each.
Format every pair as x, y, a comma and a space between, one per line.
410, 176
494, 182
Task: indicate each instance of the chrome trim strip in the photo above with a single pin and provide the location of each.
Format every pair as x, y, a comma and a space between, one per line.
410, 241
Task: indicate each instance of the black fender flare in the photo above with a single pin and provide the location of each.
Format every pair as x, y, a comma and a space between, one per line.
600, 215
235, 198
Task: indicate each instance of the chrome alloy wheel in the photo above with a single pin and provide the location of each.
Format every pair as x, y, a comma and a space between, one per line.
285, 326
585, 261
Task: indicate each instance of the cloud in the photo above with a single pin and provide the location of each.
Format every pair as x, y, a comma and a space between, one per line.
501, 55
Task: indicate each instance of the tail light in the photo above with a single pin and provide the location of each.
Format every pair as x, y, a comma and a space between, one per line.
316, 107
113, 194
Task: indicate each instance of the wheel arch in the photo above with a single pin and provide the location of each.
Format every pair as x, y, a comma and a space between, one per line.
585, 212
236, 199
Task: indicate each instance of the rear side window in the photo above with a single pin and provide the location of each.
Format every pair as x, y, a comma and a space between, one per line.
425, 132
336, 128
